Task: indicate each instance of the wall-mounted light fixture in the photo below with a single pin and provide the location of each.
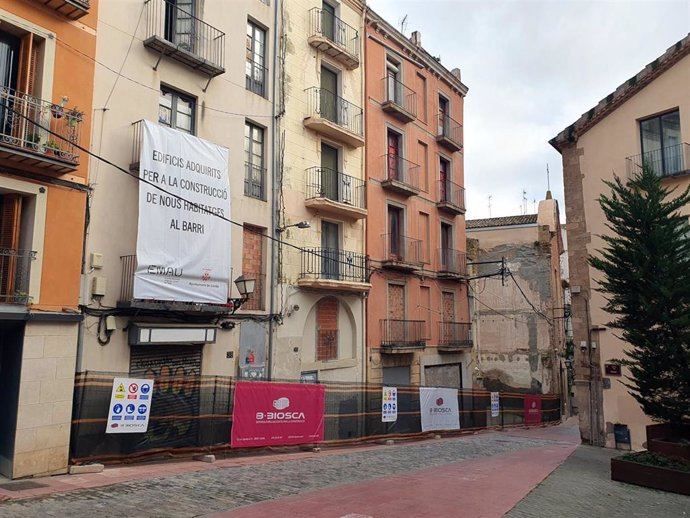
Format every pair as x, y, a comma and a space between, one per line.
245, 286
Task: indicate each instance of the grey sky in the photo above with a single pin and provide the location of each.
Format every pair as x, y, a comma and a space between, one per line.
533, 67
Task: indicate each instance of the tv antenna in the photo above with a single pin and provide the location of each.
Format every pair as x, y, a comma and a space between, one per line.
403, 24
524, 201
489, 205
548, 180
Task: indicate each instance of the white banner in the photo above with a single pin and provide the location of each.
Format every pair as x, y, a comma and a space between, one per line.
183, 252
389, 405
439, 409
495, 404
130, 406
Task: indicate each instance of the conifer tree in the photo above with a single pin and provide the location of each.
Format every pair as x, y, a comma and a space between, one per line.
646, 281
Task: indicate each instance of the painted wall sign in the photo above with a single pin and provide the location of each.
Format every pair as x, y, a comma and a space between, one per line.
271, 414
183, 250
130, 405
612, 369
439, 408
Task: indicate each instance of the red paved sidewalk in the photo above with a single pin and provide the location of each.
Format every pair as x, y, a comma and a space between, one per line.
482, 488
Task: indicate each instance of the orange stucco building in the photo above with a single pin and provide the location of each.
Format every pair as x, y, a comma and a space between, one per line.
47, 51
418, 329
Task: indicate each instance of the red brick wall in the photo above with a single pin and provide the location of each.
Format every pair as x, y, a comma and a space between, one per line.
253, 264
396, 301
448, 306
327, 329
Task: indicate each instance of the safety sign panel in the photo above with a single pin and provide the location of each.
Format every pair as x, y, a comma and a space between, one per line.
130, 406
495, 404
389, 406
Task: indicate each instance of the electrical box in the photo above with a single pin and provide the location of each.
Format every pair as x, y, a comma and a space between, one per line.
96, 260
98, 285
110, 323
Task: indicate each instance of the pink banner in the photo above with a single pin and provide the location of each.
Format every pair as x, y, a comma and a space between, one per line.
271, 414
532, 409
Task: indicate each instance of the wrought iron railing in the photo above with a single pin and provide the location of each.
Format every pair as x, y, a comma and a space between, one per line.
254, 181
401, 169
323, 23
15, 271
25, 121
449, 129
323, 182
396, 92
334, 264
452, 261
666, 161
455, 334
185, 31
451, 194
327, 345
326, 104
402, 333
256, 301
256, 77
402, 249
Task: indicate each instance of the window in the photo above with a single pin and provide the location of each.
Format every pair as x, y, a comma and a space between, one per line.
393, 81
327, 310
256, 59
255, 172
423, 160
177, 110
447, 258
421, 91
424, 231
661, 143
395, 233
179, 23
445, 180
443, 116
330, 250
395, 164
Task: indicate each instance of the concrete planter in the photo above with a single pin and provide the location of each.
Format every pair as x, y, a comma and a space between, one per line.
650, 476
665, 440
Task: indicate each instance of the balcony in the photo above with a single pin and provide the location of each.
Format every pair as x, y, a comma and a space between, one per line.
452, 264
127, 300
401, 252
335, 193
449, 133
15, 270
402, 336
451, 197
72, 9
25, 142
334, 117
332, 269
174, 32
668, 161
402, 176
334, 37
454, 337
254, 181
400, 101
256, 77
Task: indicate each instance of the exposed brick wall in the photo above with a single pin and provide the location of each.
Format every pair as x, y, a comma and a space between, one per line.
396, 301
448, 306
253, 265
327, 329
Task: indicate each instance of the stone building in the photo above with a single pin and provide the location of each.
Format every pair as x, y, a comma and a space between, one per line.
647, 118
520, 315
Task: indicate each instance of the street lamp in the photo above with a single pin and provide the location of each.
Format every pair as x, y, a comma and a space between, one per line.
300, 224
245, 287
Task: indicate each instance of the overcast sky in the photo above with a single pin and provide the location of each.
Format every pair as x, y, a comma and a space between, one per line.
532, 68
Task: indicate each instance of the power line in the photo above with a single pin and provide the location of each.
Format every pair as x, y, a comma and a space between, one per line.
174, 195
495, 310
538, 312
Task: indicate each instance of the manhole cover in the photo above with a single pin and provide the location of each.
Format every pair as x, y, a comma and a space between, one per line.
21, 485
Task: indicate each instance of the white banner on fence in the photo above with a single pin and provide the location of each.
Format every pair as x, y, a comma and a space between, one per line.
495, 404
183, 252
389, 405
130, 405
439, 409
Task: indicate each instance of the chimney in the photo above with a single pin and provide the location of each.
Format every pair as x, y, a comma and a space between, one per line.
416, 38
456, 73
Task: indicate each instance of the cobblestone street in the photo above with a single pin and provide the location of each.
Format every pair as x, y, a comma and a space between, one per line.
482, 475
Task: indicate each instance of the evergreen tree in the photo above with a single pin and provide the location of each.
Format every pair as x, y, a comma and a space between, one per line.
646, 280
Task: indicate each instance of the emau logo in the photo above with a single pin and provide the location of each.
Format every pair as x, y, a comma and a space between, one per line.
281, 403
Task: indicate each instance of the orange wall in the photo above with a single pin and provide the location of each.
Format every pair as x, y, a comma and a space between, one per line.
73, 77
377, 198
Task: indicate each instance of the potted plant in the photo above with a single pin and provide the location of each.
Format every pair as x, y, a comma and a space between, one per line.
74, 116
58, 110
52, 147
33, 139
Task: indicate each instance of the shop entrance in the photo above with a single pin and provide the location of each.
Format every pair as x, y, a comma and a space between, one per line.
11, 345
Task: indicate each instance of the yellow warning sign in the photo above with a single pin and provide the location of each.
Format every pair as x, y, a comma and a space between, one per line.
120, 388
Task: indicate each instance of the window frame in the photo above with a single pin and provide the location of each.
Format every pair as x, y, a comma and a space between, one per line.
251, 65
177, 94
249, 156
665, 160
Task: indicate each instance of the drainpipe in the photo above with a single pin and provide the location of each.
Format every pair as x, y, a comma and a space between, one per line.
274, 169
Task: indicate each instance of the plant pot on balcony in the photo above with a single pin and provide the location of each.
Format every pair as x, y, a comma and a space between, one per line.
669, 440
57, 111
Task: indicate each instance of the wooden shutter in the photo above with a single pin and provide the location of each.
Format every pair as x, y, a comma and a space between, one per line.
10, 212
27, 64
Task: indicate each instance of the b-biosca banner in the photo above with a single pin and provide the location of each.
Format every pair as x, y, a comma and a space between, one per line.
439, 409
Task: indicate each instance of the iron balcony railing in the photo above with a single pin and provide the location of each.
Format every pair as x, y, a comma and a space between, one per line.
402, 249
325, 24
23, 119
455, 334
402, 170
15, 270
334, 264
327, 345
449, 130
256, 77
323, 182
452, 261
402, 333
396, 92
450, 193
325, 104
254, 181
176, 32
667, 161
